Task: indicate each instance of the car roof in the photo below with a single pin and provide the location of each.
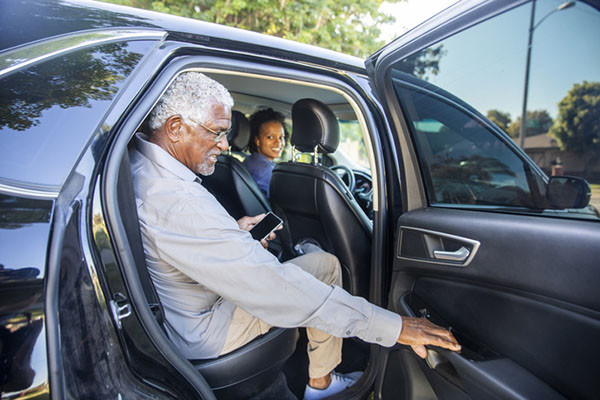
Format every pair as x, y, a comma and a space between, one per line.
27, 21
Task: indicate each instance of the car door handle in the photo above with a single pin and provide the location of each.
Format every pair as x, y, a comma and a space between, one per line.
459, 255
429, 246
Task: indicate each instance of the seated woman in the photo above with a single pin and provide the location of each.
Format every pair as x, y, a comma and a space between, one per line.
267, 139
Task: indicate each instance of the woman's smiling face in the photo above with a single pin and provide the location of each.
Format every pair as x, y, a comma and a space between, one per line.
270, 140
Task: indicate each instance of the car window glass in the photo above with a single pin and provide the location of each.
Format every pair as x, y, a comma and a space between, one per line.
485, 66
352, 145
466, 163
351, 151
564, 84
48, 111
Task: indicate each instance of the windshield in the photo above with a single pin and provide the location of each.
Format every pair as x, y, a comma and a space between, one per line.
351, 150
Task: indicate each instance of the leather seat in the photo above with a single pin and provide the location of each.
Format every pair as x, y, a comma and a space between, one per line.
239, 374
315, 202
251, 369
239, 136
231, 183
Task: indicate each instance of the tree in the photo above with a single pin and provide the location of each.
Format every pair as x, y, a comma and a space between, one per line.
502, 119
348, 26
538, 122
423, 62
577, 127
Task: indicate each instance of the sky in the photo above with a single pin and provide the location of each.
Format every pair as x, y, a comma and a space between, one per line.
409, 14
485, 65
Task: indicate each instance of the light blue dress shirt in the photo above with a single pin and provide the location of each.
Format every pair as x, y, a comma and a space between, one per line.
203, 265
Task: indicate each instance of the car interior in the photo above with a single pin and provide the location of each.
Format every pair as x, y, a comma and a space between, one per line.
314, 189
315, 194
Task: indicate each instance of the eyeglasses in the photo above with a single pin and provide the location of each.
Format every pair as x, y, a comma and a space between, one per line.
218, 135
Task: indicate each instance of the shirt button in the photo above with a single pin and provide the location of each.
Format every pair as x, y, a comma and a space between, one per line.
348, 333
378, 339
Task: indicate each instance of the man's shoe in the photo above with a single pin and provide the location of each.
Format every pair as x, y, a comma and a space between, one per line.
338, 383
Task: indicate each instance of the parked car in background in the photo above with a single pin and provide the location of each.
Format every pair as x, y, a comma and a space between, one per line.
432, 208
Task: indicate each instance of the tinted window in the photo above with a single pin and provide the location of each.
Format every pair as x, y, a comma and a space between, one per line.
465, 162
49, 111
486, 66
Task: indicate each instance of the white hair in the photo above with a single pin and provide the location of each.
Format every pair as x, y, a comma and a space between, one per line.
190, 96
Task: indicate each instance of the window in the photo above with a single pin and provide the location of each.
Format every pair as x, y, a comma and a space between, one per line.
467, 160
351, 150
466, 163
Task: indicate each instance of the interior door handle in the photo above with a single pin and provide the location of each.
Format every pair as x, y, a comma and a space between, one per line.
458, 255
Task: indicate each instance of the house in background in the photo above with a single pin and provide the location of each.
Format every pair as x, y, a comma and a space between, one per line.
544, 151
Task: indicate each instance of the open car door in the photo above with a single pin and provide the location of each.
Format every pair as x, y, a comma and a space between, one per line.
483, 245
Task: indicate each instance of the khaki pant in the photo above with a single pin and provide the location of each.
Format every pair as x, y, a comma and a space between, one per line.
324, 350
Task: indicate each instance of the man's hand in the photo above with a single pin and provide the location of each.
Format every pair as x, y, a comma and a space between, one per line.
417, 332
247, 223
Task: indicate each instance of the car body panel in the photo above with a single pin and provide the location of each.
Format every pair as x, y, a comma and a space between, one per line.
25, 225
40, 97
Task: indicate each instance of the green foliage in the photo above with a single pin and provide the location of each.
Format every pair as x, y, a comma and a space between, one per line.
577, 127
348, 26
423, 63
538, 122
500, 118
351, 142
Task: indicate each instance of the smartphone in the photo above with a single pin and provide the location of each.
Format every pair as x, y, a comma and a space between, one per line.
266, 225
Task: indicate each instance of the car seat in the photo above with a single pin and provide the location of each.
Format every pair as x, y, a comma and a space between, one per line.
240, 374
316, 204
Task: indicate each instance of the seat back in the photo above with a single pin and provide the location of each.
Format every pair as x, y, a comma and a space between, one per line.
129, 216
240, 135
317, 204
231, 183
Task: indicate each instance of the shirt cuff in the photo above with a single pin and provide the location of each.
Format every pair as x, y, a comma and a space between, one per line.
384, 327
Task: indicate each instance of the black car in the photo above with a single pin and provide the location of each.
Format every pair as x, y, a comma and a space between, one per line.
431, 207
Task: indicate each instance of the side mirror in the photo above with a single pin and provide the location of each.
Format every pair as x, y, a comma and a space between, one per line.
568, 192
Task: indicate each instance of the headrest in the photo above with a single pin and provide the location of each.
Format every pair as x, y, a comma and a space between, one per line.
240, 131
314, 124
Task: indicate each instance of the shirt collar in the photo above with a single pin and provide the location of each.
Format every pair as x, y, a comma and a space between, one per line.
159, 156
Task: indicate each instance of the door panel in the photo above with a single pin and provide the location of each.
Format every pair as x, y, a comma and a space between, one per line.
526, 309
539, 255
474, 96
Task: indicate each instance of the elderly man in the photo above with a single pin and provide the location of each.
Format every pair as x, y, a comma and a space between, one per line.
219, 287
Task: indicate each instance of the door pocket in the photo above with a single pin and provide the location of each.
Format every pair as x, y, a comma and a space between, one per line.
413, 305
476, 369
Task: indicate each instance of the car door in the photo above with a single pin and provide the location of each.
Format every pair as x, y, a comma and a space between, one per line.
481, 246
